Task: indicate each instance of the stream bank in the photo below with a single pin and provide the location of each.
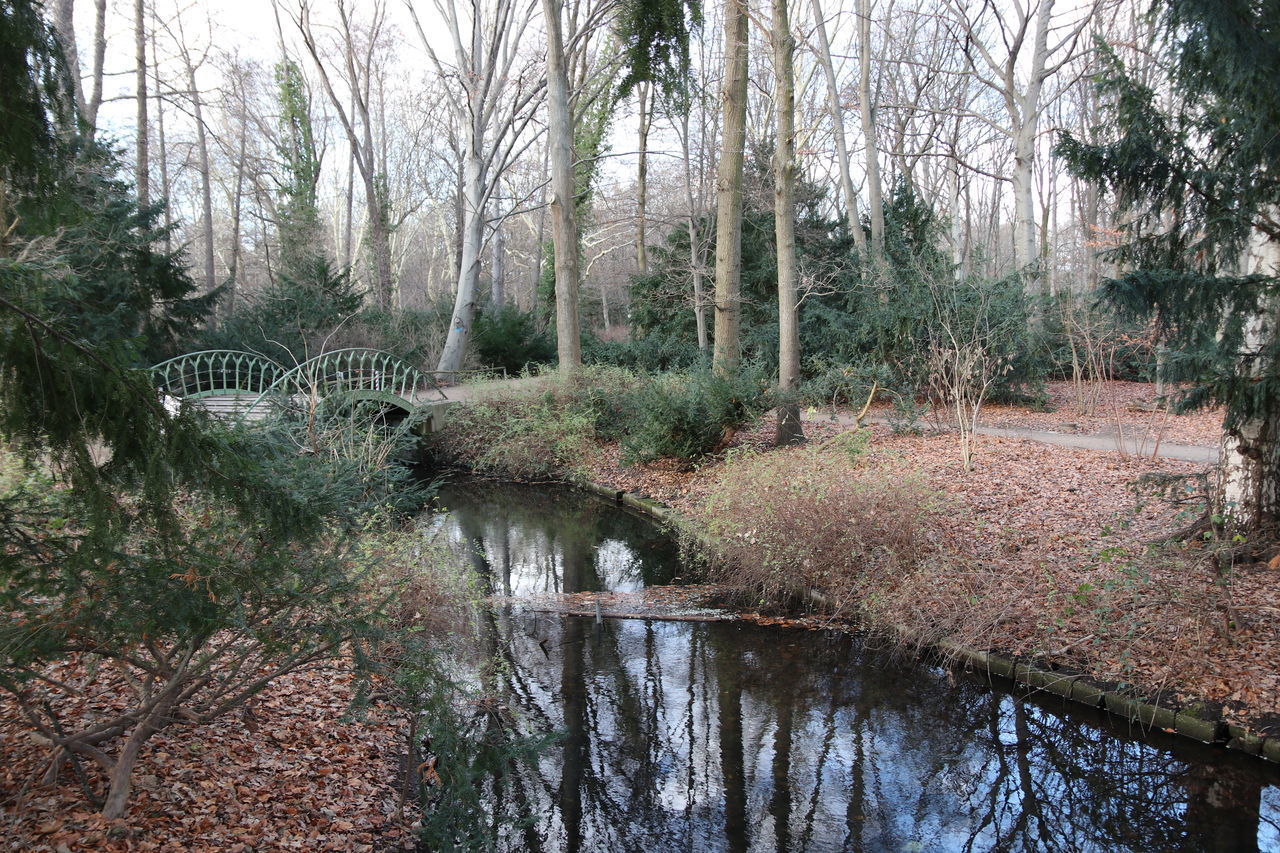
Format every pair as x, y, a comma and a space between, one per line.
728, 735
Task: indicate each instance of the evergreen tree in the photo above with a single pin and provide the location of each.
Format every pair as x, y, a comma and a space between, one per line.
299, 213
655, 42
187, 556
1197, 172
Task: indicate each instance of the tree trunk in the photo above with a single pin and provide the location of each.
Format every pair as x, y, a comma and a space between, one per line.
727, 351
790, 430
1026, 123
99, 61
121, 775
233, 272
642, 172
64, 22
348, 250
206, 193
875, 193
141, 166
695, 240
498, 285
564, 222
1248, 487
464, 303
1024, 219
164, 148
853, 216
380, 237
541, 239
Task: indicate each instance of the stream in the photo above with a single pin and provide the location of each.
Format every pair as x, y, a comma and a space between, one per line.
703, 736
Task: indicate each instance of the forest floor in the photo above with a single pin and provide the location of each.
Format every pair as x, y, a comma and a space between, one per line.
1062, 537
295, 773
292, 772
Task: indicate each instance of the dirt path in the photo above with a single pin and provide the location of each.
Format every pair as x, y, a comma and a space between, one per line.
1132, 446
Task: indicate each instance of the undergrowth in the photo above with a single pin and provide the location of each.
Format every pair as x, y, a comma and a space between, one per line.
818, 526
546, 434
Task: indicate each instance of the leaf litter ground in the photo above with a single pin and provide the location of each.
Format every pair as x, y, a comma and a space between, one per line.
1056, 530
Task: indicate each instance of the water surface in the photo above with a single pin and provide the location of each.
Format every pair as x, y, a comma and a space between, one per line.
724, 736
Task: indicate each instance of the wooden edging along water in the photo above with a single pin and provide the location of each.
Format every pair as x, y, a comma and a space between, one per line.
1205, 727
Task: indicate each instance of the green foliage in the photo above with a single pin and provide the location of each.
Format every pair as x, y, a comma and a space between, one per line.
510, 339
293, 316
915, 305
880, 318
686, 416
197, 560
466, 746
1197, 171
545, 435
653, 353
35, 99
832, 384
298, 215
1072, 332
522, 437
605, 395
318, 308
472, 743
655, 42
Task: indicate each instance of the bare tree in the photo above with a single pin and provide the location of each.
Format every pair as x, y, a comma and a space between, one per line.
1035, 48
141, 165
564, 219
494, 96
853, 217
642, 174
190, 65
356, 57
867, 109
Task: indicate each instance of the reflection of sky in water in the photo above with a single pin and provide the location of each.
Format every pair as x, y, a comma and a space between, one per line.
701, 736
533, 542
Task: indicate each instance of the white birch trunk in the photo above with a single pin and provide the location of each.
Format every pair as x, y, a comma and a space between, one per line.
1248, 487
853, 216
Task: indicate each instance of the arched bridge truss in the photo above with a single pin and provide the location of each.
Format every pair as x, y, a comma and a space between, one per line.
257, 384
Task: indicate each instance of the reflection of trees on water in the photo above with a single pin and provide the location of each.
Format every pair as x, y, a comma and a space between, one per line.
523, 529
681, 736
701, 737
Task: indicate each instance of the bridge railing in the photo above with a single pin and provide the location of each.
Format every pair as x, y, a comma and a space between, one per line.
351, 371
215, 372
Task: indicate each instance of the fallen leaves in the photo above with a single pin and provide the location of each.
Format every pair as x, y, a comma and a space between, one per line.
1057, 532
309, 779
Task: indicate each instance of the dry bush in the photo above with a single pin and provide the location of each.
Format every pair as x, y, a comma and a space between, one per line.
816, 525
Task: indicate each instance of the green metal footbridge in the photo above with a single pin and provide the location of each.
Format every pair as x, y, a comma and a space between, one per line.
248, 387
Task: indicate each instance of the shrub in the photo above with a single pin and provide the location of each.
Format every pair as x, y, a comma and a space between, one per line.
508, 338
606, 395
319, 308
522, 436
812, 524
545, 434
690, 415
653, 352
